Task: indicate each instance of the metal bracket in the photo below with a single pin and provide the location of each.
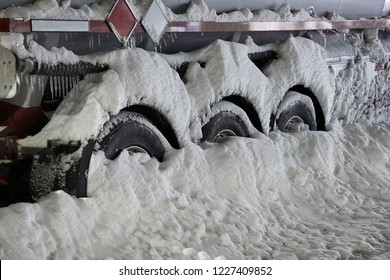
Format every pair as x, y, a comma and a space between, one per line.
54, 148
8, 78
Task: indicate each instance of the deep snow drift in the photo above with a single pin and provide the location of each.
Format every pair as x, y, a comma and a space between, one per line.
305, 195
308, 195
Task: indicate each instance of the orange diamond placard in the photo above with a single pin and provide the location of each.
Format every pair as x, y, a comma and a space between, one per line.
122, 21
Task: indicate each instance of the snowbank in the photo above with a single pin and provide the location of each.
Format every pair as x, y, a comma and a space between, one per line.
308, 195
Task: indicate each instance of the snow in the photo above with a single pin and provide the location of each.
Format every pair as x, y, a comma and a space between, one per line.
140, 77
303, 195
134, 77
321, 195
199, 11
42, 9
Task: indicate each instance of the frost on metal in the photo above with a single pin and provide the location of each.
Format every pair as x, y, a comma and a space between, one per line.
155, 21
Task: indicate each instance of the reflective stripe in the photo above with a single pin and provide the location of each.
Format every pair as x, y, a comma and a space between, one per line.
59, 26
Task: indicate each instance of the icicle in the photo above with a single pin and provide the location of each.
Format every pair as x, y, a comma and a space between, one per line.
55, 86
90, 39
322, 34
66, 85
51, 87
62, 86
31, 81
130, 42
164, 41
40, 84
74, 83
41, 87
77, 83
99, 39
133, 42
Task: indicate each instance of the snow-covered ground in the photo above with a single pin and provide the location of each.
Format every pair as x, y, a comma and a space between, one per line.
308, 195
304, 195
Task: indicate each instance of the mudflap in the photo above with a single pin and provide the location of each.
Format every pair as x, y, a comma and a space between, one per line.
33, 178
77, 176
15, 177
4, 169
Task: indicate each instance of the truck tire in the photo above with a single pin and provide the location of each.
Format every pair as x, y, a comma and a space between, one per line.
222, 125
125, 130
132, 132
294, 116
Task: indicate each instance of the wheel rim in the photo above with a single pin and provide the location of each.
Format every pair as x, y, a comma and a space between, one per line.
293, 124
136, 149
132, 136
223, 134
224, 124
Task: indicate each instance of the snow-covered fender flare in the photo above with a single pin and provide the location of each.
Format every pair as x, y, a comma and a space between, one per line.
135, 77
301, 66
218, 72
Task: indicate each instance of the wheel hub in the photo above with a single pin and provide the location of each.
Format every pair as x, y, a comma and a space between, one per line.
223, 134
294, 124
136, 149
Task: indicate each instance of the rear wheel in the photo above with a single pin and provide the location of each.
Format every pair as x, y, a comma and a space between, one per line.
126, 131
132, 132
296, 113
225, 123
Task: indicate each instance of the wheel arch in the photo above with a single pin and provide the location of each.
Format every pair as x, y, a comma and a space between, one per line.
319, 113
159, 120
248, 107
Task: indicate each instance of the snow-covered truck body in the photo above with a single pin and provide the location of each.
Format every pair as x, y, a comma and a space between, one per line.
82, 76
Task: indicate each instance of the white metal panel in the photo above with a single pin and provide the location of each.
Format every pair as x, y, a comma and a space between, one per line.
59, 26
8, 79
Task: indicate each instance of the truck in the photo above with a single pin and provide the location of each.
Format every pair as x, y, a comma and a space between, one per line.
83, 76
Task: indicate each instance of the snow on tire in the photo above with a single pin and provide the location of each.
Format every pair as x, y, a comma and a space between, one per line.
295, 113
132, 132
226, 120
